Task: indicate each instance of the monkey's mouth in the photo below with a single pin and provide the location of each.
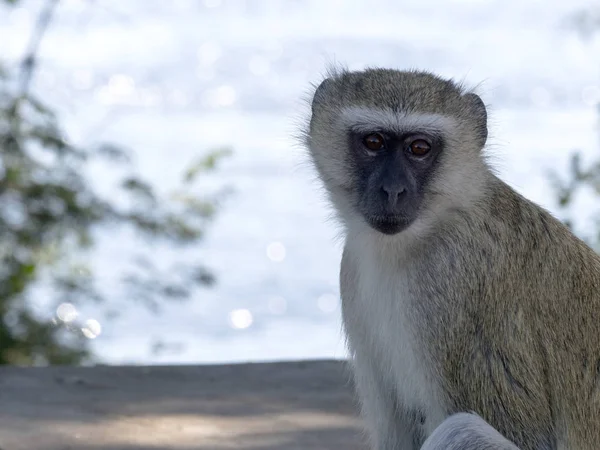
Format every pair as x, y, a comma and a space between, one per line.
389, 225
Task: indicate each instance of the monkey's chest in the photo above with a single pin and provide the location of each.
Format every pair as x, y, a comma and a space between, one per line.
385, 316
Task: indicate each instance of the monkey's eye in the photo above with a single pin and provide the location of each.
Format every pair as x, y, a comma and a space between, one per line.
419, 147
374, 142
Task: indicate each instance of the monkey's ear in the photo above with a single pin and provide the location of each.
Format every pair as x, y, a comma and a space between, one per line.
322, 92
479, 112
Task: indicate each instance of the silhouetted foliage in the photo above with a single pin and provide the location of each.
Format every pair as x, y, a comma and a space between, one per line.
580, 176
49, 211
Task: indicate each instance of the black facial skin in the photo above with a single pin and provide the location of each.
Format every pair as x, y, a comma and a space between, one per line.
392, 180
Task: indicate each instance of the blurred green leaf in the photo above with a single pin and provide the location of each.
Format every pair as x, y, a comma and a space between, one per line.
140, 189
205, 163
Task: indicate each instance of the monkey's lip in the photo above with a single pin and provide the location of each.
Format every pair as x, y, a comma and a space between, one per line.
387, 224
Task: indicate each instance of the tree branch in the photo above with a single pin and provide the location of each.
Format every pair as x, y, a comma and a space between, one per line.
28, 63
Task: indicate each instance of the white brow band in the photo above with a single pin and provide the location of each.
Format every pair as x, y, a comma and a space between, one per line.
362, 119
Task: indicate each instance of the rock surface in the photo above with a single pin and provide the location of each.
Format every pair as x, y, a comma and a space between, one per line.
270, 406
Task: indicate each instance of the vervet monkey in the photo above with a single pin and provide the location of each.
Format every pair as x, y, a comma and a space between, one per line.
459, 295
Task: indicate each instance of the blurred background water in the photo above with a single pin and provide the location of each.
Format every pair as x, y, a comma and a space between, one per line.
172, 80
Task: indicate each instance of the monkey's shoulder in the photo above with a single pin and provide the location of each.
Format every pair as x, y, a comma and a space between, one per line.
529, 241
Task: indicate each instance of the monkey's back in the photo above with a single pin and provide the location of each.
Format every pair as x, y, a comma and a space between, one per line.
523, 348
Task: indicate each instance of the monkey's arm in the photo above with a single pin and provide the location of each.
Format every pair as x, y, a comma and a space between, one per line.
389, 426
466, 431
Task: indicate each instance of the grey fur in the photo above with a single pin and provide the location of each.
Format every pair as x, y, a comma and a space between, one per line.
485, 303
465, 431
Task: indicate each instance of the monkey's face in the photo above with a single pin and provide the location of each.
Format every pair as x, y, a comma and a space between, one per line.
391, 146
392, 171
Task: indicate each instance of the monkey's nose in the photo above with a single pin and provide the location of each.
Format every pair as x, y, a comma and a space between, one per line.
393, 193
